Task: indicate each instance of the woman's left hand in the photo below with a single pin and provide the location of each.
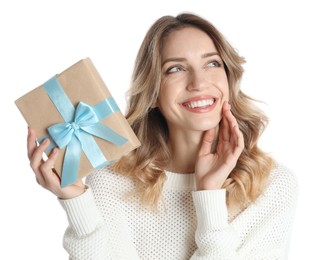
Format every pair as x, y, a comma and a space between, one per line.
212, 169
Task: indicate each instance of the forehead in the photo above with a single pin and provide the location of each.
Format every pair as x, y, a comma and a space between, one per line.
187, 39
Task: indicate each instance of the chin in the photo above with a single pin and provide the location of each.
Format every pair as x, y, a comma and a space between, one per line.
204, 125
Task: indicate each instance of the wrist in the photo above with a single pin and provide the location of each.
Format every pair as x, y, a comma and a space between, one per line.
208, 187
209, 183
72, 194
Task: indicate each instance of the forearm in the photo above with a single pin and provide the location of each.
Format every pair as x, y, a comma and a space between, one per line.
264, 227
214, 237
87, 235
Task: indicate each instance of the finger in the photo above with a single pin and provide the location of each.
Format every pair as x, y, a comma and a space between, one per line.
37, 180
31, 142
47, 169
207, 141
224, 128
230, 117
36, 161
39, 177
238, 140
231, 125
237, 137
50, 162
36, 158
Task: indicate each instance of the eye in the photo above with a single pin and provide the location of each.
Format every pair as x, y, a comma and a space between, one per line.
214, 63
174, 69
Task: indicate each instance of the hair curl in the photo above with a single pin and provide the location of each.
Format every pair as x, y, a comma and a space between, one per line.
147, 163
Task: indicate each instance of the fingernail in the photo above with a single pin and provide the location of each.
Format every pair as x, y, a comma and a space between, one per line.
55, 150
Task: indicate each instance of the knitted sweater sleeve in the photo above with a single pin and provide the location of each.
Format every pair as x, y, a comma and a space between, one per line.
268, 222
214, 237
86, 236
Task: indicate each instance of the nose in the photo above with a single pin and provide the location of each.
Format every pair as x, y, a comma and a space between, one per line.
197, 81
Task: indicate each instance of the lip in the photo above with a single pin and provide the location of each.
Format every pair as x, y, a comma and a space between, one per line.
200, 109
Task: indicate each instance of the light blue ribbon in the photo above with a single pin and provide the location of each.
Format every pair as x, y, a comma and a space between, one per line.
76, 133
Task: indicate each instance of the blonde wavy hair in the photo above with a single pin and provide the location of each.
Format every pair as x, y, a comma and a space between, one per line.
147, 163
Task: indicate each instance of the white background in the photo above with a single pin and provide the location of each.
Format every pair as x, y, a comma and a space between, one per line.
281, 41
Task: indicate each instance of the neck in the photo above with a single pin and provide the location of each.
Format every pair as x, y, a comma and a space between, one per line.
184, 147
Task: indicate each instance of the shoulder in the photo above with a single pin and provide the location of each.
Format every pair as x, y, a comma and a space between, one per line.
282, 177
282, 186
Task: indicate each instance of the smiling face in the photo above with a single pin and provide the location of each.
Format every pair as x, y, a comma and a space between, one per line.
194, 83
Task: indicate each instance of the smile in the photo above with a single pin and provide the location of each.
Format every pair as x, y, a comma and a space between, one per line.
199, 104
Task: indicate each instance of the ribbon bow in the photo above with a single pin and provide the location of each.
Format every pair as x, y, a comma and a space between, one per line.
77, 136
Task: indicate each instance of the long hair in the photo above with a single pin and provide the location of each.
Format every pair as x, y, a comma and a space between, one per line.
147, 163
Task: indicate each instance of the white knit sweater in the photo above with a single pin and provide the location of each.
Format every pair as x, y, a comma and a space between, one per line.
103, 224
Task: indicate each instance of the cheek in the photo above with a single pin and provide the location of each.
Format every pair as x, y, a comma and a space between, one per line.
224, 87
226, 91
165, 99
218, 78
169, 91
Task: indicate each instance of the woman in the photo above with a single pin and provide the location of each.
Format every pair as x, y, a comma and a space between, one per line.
198, 187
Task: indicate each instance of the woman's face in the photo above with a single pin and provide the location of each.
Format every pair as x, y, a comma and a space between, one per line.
194, 83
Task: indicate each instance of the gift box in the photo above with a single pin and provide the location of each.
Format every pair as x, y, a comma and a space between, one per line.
76, 111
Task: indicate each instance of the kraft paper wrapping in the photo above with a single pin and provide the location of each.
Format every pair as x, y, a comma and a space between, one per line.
81, 82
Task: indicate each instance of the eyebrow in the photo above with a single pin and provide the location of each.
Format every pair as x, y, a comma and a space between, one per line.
206, 55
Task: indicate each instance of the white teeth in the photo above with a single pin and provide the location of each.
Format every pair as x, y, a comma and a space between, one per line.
200, 103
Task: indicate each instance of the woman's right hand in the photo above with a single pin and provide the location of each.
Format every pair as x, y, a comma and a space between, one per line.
44, 171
